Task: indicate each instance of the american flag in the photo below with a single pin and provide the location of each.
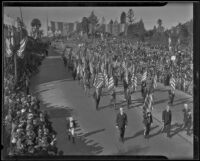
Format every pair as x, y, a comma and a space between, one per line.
134, 80
99, 80
148, 102
22, 47
144, 76
173, 83
8, 50
106, 78
110, 83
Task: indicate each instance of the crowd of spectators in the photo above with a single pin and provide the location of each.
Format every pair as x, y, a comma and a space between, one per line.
27, 128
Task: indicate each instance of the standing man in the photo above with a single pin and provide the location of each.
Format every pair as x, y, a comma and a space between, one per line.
128, 98
187, 118
71, 125
166, 119
121, 123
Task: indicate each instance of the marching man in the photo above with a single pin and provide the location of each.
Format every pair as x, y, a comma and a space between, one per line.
121, 123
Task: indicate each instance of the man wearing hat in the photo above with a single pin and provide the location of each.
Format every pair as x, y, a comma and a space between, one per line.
121, 123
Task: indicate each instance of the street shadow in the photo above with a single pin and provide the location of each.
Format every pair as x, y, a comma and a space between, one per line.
56, 111
93, 132
175, 129
183, 102
133, 150
135, 106
154, 134
161, 101
161, 90
141, 132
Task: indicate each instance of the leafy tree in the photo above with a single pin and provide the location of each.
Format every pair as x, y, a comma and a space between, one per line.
111, 22
123, 18
93, 20
85, 25
130, 16
35, 24
159, 22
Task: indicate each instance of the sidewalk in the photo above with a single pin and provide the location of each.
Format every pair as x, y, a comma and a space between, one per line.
160, 102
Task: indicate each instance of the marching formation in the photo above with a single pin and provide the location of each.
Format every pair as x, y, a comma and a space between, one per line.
101, 65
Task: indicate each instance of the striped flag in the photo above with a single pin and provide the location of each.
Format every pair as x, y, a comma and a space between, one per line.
22, 47
148, 102
110, 83
9, 53
144, 76
134, 81
173, 83
99, 80
155, 82
106, 78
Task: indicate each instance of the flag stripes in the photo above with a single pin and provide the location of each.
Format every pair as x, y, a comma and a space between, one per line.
106, 78
148, 102
22, 47
8, 50
172, 83
111, 83
99, 80
144, 76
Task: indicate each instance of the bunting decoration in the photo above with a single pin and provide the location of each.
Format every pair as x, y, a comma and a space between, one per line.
173, 83
9, 52
22, 47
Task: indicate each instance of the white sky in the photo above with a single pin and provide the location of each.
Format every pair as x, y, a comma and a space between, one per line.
171, 14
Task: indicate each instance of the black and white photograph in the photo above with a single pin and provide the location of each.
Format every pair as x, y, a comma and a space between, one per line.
98, 81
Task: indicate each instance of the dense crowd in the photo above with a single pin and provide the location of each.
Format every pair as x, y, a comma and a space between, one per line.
157, 59
28, 130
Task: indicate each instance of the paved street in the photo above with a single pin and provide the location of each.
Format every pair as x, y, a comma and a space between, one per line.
97, 135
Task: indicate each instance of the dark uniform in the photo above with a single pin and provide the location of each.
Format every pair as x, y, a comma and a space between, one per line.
148, 120
187, 120
171, 96
113, 100
97, 96
144, 89
128, 99
121, 122
125, 88
166, 119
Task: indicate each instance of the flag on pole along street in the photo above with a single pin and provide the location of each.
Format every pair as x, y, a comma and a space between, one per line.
99, 80
144, 76
22, 47
148, 102
173, 83
9, 52
106, 78
111, 83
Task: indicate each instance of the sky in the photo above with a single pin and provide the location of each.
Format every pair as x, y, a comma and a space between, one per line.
171, 14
